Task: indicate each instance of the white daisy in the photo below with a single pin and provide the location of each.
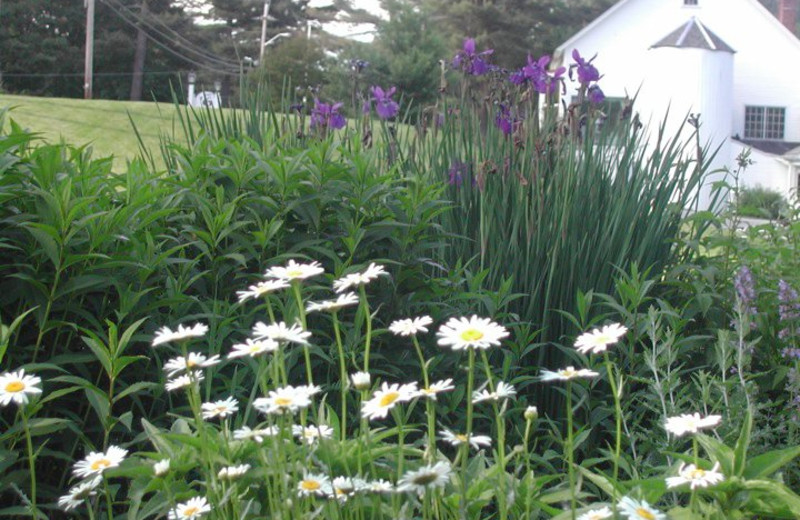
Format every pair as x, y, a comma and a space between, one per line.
386, 398
379, 486
311, 434
356, 279
696, 477
639, 510
410, 326
17, 387
343, 300
502, 391
457, 439
78, 494
474, 332
221, 409
192, 361
96, 462
253, 348
258, 435
683, 424
314, 484
438, 387
566, 374
343, 488
598, 340
165, 335
183, 381
261, 288
596, 514
280, 332
233, 472
295, 271
361, 380
431, 476
287, 399
191, 509
161, 467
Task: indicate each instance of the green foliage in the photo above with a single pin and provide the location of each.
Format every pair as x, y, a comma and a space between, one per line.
760, 202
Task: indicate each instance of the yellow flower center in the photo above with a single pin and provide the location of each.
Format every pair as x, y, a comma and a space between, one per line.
189, 511
283, 401
425, 479
697, 474
294, 273
15, 386
471, 335
569, 373
191, 363
100, 464
310, 485
644, 513
461, 437
388, 399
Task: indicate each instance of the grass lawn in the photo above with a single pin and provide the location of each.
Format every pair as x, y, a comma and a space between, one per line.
102, 124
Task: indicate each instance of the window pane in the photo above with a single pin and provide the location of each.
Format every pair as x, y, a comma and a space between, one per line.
754, 122
775, 123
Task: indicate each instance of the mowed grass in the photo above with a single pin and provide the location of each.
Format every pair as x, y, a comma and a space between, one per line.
103, 125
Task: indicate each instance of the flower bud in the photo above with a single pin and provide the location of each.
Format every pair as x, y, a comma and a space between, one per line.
361, 380
531, 413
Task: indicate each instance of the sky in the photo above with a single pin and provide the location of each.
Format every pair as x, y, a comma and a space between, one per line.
364, 32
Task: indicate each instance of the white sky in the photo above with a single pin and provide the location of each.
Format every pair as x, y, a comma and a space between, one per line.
363, 32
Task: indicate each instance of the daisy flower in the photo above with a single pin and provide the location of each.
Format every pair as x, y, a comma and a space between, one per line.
95, 463
683, 424
246, 434
191, 362
438, 387
78, 494
233, 472
639, 510
261, 288
222, 409
464, 333
343, 488
280, 332
253, 348
161, 467
502, 391
410, 326
295, 271
361, 380
386, 398
16, 386
566, 374
165, 334
311, 434
696, 477
379, 486
598, 340
431, 476
343, 300
314, 484
287, 399
182, 381
191, 509
356, 279
457, 439
596, 514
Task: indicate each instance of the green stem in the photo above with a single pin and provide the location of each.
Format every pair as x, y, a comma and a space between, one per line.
368, 324
430, 410
618, 428
501, 437
570, 456
302, 313
31, 462
465, 446
342, 377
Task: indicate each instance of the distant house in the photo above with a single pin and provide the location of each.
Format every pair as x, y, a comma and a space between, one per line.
731, 61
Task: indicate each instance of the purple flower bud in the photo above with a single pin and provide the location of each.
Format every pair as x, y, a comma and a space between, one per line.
457, 172
595, 95
504, 121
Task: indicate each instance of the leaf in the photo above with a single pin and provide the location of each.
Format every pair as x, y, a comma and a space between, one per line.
718, 451
768, 463
740, 452
773, 492
603, 482
135, 387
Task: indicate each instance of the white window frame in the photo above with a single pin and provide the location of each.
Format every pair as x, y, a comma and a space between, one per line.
764, 123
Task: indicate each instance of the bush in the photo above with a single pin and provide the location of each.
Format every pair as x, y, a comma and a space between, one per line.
760, 202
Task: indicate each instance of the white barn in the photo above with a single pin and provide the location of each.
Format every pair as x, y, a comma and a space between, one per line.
731, 61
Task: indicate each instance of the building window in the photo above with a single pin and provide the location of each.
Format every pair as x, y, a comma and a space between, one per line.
764, 122
690, 2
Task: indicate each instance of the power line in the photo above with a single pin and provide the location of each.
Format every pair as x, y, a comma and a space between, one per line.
177, 54
73, 74
135, 19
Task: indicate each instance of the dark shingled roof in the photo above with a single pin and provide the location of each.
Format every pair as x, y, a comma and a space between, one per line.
771, 147
694, 35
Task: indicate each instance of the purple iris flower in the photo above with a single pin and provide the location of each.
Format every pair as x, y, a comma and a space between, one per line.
296, 107
471, 61
586, 71
517, 77
595, 95
457, 172
326, 115
504, 121
385, 106
536, 72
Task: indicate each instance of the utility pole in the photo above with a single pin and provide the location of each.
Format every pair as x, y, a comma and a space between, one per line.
89, 63
139, 58
264, 30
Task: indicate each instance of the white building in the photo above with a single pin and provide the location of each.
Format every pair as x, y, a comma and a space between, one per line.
731, 61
